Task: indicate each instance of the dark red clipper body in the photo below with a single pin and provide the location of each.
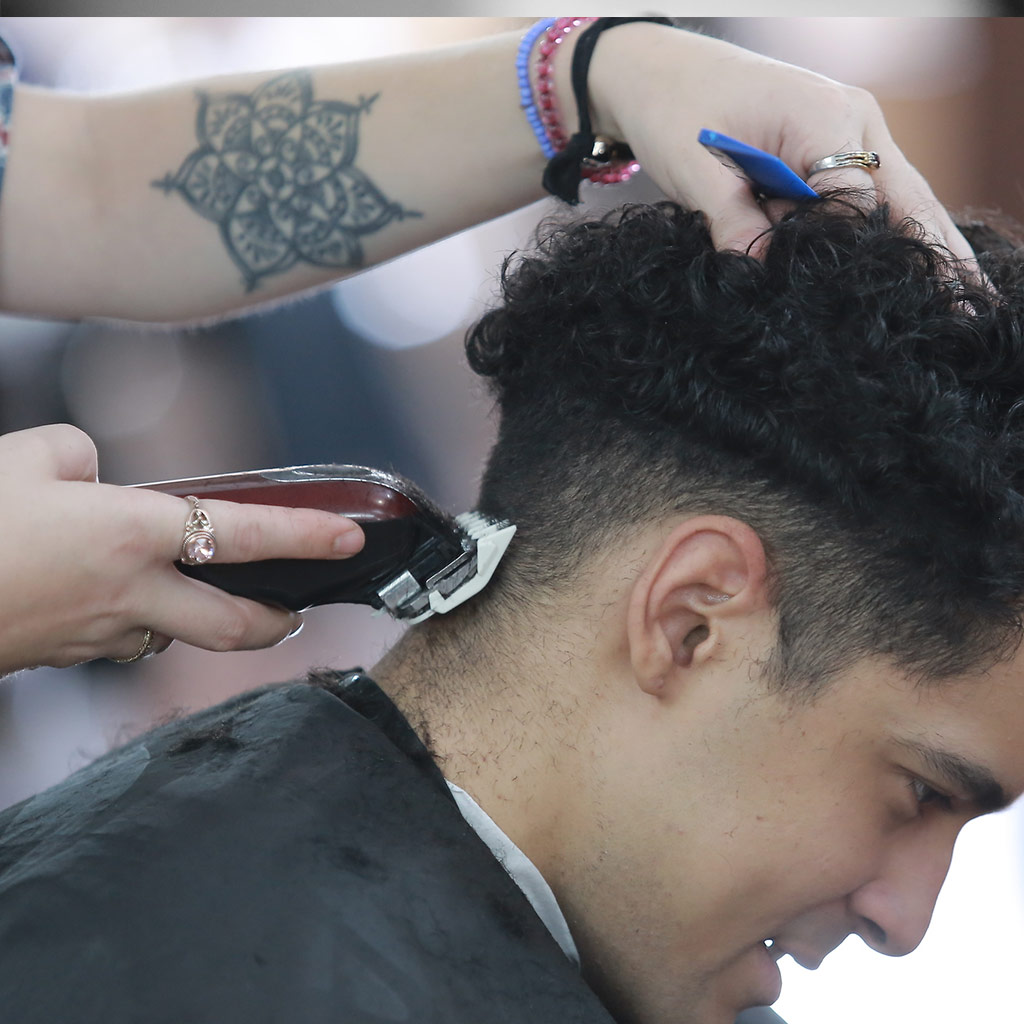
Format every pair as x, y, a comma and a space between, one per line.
417, 559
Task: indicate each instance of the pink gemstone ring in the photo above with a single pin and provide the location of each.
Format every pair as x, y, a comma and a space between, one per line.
198, 545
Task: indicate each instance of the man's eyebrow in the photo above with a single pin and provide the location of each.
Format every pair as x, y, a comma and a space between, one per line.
973, 780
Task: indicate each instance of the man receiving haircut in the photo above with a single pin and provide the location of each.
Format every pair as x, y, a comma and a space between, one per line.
748, 667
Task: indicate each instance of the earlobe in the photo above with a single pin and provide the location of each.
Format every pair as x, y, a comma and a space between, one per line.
708, 571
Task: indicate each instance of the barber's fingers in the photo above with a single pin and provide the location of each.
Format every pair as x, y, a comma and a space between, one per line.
842, 133
894, 181
245, 533
173, 606
204, 616
856, 180
909, 195
159, 642
905, 189
734, 217
54, 451
129, 648
897, 182
738, 222
857, 184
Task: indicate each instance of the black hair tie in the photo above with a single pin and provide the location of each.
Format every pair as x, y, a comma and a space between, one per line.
562, 174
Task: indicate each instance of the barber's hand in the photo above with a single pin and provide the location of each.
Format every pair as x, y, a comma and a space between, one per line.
86, 568
656, 87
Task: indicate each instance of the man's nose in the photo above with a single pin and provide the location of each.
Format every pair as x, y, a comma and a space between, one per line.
894, 909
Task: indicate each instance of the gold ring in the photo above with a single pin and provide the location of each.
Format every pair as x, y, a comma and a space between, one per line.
147, 639
198, 545
864, 159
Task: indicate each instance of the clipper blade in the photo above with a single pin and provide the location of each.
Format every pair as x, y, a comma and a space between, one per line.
487, 539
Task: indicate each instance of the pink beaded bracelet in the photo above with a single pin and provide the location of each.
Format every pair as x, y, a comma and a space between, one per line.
600, 167
550, 42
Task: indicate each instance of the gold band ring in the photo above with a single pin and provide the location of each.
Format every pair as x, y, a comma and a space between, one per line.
144, 649
865, 159
198, 545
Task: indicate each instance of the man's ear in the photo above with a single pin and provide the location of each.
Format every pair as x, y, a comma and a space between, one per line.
708, 571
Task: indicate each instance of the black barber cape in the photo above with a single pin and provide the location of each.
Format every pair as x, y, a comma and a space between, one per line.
293, 855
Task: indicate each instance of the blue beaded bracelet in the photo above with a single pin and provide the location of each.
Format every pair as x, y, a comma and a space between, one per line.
526, 99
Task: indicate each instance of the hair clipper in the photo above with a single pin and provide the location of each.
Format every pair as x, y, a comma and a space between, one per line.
417, 559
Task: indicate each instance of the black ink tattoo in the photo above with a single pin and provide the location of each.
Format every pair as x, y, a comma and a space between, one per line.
276, 172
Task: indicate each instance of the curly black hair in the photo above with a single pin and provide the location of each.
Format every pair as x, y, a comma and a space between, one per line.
855, 397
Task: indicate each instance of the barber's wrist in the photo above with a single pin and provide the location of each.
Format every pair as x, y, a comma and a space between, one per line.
619, 57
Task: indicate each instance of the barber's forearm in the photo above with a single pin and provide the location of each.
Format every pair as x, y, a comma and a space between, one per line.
85, 232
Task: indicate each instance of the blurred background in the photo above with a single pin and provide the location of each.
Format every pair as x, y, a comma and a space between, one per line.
371, 372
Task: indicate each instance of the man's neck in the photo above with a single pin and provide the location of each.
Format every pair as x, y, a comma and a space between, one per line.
490, 733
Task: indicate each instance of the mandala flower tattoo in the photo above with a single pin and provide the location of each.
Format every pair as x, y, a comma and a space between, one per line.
275, 171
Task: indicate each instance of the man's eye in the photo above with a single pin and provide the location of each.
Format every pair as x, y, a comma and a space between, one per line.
928, 795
